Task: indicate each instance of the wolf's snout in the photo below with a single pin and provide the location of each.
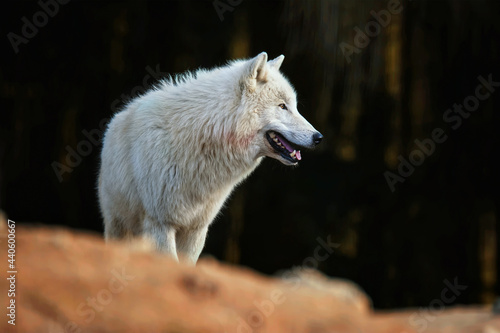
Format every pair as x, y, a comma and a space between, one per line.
317, 137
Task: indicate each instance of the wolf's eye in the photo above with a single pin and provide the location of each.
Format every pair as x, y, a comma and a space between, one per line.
283, 106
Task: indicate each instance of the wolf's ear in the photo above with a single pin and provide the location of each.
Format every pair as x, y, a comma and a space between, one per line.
258, 70
276, 62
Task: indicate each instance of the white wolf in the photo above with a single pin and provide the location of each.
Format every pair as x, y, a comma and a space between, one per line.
172, 156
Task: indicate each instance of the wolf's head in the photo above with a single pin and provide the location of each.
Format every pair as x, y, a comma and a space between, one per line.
282, 131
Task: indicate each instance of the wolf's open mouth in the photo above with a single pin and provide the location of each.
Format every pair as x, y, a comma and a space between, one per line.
283, 147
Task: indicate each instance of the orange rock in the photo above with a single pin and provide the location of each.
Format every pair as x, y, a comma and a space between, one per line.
70, 281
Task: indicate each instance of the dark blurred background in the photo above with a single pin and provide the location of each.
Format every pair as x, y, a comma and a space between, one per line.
440, 223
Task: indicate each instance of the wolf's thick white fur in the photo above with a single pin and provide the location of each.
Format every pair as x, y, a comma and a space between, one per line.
172, 156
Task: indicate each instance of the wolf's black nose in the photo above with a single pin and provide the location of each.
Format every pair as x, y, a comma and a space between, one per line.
317, 137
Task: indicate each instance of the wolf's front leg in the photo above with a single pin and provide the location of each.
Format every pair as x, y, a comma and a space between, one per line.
190, 242
162, 235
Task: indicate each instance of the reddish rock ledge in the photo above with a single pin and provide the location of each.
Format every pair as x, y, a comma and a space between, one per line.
71, 281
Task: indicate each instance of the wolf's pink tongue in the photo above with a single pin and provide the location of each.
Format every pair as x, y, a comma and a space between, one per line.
297, 155
285, 143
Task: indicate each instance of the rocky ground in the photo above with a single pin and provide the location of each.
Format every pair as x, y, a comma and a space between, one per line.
70, 281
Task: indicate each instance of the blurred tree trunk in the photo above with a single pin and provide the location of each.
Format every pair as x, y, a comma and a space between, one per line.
239, 47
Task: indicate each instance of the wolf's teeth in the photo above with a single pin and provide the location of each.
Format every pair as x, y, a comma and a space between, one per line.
272, 135
275, 139
292, 154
